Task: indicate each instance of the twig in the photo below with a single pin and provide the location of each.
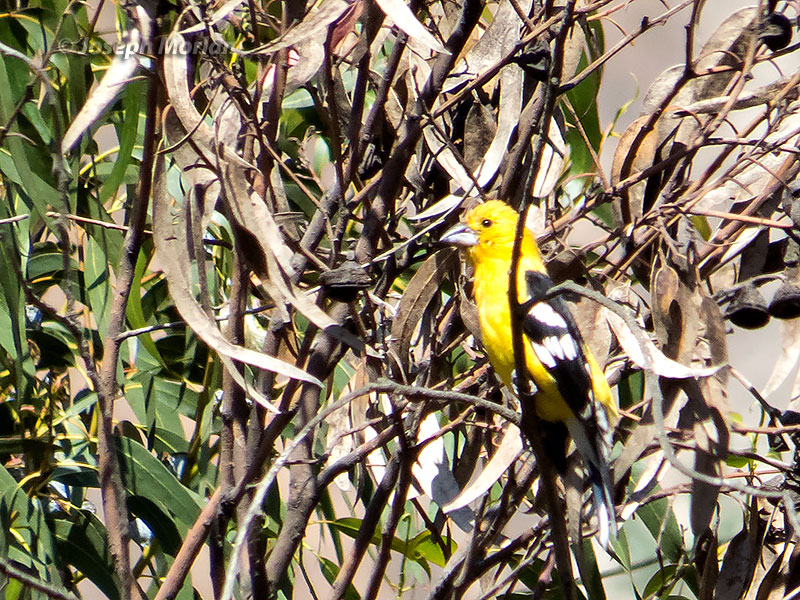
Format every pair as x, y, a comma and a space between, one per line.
34, 583
736, 217
407, 456
646, 25
16, 219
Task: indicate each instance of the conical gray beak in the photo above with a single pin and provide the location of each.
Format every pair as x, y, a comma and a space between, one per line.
459, 235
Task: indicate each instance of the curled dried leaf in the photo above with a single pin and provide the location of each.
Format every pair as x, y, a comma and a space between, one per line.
505, 455
789, 356
122, 68
171, 245
648, 356
425, 283
636, 151
399, 12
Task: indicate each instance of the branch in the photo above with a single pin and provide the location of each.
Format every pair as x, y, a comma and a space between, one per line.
114, 505
530, 423
386, 387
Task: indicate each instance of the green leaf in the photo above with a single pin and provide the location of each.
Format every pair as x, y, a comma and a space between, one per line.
662, 581
329, 513
622, 548
97, 277
530, 573
663, 526
32, 164
25, 525
420, 549
45, 261
583, 99
330, 570
127, 130
590, 573
702, 226
631, 389
159, 522
14, 590
12, 313
108, 240
144, 475
158, 404
134, 310
187, 591
738, 462
81, 542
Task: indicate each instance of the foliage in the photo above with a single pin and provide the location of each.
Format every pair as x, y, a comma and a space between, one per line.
226, 325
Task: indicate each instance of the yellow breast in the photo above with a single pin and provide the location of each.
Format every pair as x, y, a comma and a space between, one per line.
491, 297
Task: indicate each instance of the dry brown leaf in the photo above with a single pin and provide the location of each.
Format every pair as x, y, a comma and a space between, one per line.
741, 557
174, 259
663, 87
418, 293
649, 356
312, 27
177, 83
636, 151
707, 564
399, 12
593, 325
305, 60
342, 435
446, 204
726, 47
551, 165
119, 72
573, 495
479, 129
690, 328
249, 210
703, 499
754, 256
665, 288
434, 476
676, 315
202, 181
759, 175
770, 576
498, 39
215, 17
505, 455
574, 49
792, 571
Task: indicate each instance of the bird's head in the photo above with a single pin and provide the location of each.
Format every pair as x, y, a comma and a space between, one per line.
488, 229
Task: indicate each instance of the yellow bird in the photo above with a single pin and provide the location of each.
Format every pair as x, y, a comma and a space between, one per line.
570, 390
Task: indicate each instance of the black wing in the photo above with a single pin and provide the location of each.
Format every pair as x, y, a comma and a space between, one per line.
555, 339
557, 342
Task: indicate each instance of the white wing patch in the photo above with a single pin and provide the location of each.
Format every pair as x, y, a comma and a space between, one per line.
561, 348
567, 343
544, 355
552, 344
545, 313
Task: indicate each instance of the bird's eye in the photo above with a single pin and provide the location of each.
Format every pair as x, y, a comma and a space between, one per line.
486, 222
